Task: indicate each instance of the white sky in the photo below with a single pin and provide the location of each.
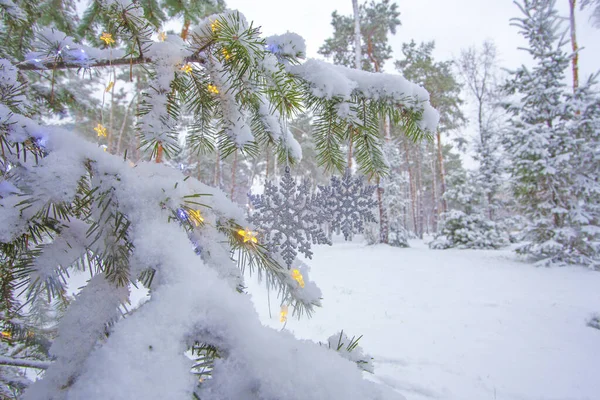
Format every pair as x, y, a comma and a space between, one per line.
453, 24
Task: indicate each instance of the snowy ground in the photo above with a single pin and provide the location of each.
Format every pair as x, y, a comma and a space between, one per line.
458, 324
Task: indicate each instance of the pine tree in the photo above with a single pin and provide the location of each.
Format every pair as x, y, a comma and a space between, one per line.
546, 143
377, 20
65, 205
438, 78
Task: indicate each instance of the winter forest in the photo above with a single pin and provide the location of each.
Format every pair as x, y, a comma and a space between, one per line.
193, 209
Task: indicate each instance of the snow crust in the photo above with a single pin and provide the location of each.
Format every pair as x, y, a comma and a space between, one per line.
471, 324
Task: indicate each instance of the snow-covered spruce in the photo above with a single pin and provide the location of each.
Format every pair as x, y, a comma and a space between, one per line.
465, 225
468, 231
553, 143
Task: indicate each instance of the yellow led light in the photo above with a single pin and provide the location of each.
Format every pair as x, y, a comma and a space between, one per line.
298, 277
187, 68
110, 85
5, 334
196, 217
107, 38
248, 235
213, 89
215, 25
101, 130
226, 54
162, 36
283, 313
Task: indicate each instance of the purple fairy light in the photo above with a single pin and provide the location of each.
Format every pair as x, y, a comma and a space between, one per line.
182, 214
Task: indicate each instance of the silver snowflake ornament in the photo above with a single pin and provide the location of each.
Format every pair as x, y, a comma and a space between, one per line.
347, 204
289, 218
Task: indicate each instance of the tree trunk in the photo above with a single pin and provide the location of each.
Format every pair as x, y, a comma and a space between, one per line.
357, 47
159, 153
435, 215
383, 222
575, 60
357, 64
412, 186
233, 171
350, 149
419, 194
199, 170
122, 130
267, 163
217, 170
186, 29
442, 171
112, 113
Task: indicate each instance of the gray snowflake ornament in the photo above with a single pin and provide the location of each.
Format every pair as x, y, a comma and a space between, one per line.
289, 218
347, 204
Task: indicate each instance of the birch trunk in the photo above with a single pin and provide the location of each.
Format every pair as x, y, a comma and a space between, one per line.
575, 60
357, 48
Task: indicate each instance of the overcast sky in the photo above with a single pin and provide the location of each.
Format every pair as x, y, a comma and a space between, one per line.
453, 24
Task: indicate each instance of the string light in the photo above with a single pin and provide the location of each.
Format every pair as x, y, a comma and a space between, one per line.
196, 217
213, 89
215, 25
226, 54
187, 68
109, 86
162, 36
248, 235
5, 334
101, 130
107, 38
283, 313
298, 277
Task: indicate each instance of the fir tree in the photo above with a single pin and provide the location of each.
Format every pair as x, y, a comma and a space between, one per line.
465, 225
547, 141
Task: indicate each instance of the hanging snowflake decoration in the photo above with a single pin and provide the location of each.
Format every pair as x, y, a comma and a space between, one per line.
289, 218
347, 203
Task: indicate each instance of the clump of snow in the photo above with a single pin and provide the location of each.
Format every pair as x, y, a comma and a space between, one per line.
288, 44
81, 328
350, 350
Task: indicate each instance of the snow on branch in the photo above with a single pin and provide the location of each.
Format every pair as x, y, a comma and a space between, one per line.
330, 81
24, 362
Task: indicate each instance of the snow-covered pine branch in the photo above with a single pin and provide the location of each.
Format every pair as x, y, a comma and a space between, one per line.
65, 204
